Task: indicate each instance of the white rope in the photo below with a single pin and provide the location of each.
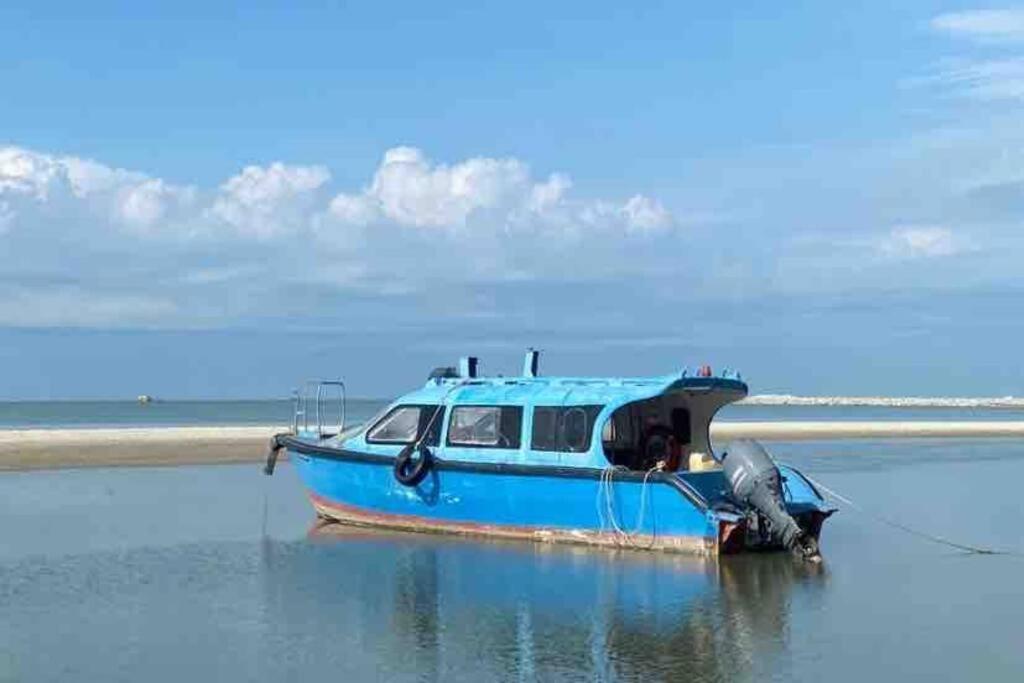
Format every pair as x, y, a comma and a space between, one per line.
606, 505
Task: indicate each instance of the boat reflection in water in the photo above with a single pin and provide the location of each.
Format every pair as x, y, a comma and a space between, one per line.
407, 606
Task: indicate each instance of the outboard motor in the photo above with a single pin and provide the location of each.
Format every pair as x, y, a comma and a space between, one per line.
755, 481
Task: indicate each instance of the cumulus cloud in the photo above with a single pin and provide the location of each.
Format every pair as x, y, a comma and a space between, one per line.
267, 202
484, 194
146, 203
120, 246
82, 190
407, 190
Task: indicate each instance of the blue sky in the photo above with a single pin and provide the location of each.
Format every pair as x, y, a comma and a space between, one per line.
199, 199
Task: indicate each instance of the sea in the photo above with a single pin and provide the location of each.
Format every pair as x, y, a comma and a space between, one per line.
217, 572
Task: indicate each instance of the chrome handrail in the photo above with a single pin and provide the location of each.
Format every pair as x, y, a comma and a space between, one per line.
303, 396
319, 402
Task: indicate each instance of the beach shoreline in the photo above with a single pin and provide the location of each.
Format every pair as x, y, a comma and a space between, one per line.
42, 449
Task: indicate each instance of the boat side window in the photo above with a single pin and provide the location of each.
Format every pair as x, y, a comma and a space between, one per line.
563, 428
485, 426
404, 424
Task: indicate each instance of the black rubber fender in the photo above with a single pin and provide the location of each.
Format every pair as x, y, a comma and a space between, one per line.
409, 471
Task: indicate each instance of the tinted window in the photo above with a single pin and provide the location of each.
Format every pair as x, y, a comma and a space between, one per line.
563, 428
485, 426
404, 424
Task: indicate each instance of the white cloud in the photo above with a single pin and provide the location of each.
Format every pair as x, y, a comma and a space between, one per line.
268, 202
996, 25
116, 246
26, 173
645, 215
354, 209
481, 195
921, 241
411, 191
88, 178
83, 188
549, 193
147, 203
486, 195
408, 190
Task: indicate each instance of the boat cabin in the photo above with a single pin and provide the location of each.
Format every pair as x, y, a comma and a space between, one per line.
636, 423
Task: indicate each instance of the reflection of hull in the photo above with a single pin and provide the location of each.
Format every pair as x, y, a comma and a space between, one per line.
681, 512
497, 574
401, 606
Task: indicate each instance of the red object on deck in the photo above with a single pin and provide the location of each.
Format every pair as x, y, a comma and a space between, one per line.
704, 371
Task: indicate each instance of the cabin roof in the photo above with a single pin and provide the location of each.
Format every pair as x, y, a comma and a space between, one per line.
556, 391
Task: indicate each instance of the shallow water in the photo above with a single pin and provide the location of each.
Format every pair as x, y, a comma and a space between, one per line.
210, 572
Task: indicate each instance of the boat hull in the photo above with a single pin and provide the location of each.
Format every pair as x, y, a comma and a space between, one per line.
659, 511
349, 514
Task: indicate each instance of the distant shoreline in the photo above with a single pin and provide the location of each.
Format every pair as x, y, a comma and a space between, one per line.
40, 449
1010, 402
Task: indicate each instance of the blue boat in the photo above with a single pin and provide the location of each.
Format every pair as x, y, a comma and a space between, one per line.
625, 462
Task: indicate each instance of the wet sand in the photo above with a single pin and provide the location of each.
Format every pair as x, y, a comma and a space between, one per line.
32, 449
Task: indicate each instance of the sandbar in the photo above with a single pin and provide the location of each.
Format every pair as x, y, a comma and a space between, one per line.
35, 449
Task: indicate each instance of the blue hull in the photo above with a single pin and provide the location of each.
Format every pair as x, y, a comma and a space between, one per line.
675, 512
559, 508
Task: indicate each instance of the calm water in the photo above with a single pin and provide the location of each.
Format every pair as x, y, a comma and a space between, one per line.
42, 414
207, 573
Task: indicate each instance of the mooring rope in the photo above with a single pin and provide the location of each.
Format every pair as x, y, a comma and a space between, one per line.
973, 549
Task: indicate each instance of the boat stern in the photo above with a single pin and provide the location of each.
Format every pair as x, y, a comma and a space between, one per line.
745, 528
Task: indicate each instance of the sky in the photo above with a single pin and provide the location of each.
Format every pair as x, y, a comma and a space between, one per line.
217, 200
